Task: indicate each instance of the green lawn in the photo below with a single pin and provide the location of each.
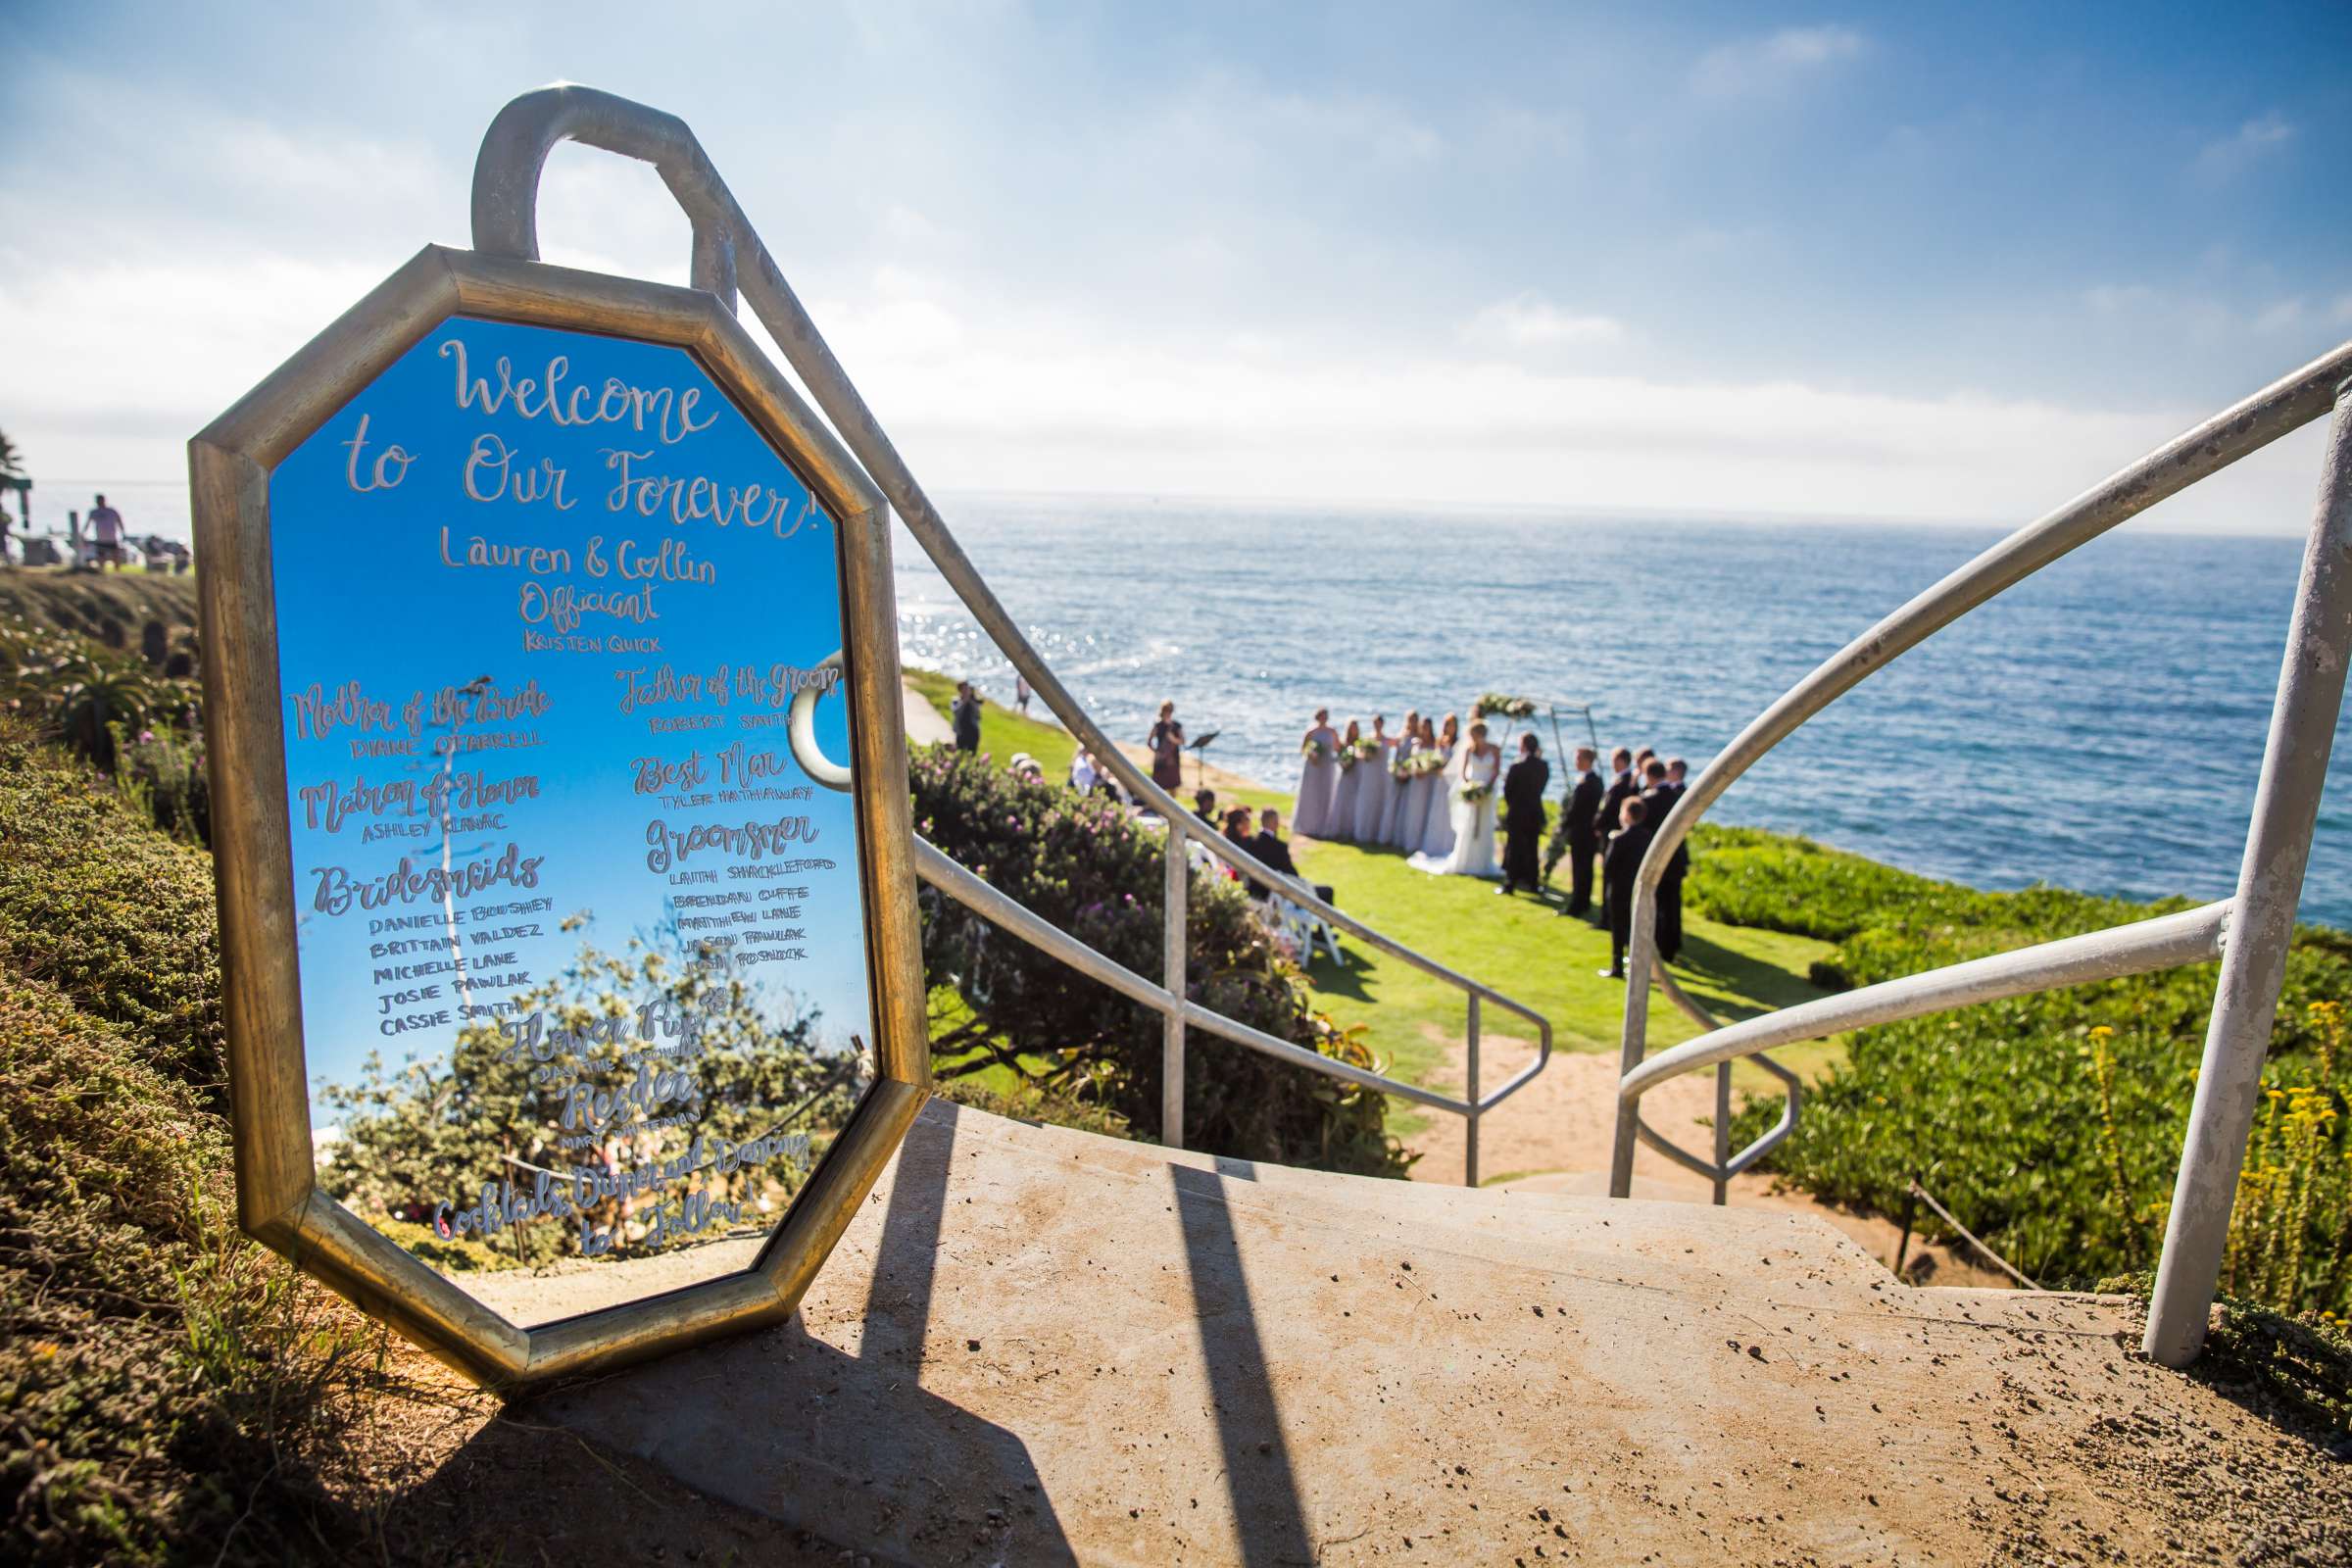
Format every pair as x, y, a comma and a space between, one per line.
1528, 952
1520, 947
1002, 731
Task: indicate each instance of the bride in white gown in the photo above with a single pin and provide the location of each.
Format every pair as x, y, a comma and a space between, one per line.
1473, 819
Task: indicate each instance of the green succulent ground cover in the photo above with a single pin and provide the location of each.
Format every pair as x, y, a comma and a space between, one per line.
2051, 1124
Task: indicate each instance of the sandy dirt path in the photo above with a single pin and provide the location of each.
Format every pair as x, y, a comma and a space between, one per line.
1554, 1134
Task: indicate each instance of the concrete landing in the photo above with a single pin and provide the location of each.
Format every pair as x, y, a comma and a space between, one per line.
1038, 1346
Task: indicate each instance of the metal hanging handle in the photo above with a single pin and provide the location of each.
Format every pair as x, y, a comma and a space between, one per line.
801, 729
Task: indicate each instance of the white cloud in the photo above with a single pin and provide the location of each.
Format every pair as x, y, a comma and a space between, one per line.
137, 359
2284, 315
1527, 320
2119, 298
1751, 67
2229, 156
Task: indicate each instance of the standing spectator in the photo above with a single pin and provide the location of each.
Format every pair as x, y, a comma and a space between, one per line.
105, 531
1166, 742
967, 716
1020, 695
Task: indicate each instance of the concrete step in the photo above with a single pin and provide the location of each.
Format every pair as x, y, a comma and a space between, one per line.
1036, 1345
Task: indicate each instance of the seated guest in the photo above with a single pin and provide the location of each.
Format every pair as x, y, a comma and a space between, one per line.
1618, 870
1023, 766
1269, 847
1204, 806
1235, 826
1082, 773
1270, 850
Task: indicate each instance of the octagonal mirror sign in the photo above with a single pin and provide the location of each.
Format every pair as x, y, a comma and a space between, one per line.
584, 892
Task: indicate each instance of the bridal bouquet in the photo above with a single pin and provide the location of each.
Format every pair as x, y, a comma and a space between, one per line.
1419, 766
1491, 703
1472, 794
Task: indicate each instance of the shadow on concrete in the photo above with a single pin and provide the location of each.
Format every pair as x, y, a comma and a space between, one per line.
843, 1446
899, 1304
1268, 1514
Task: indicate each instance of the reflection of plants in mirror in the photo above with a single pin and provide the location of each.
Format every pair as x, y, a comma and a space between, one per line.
638, 1100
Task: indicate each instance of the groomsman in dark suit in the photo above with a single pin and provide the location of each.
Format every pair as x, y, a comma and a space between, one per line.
1580, 811
1657, 799
1523, 790
1617, 871
1606, 824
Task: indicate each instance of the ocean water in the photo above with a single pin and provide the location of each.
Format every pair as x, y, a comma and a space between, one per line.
2099, 726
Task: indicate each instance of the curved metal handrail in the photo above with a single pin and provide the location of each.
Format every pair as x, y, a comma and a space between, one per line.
2245, 427
2192, 936
728, 256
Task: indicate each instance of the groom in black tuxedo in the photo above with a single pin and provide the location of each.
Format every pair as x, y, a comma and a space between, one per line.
1523, 816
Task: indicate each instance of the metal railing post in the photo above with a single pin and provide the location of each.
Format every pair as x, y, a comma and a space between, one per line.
1470, 1094
1172, 953
1634, 1036
2270, 885
1723, 1134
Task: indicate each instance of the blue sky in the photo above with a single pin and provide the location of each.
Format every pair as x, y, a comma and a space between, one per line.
1932, 262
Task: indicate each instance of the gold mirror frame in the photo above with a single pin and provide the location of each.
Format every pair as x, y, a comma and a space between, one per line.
279, 1200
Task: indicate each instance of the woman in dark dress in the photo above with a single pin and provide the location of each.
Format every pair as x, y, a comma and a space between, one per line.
1166, 741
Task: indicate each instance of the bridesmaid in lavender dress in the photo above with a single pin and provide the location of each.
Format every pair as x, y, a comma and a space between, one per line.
1437, 828
1373, 800
1413, 815
1318, 777
1341, 827
1392, 816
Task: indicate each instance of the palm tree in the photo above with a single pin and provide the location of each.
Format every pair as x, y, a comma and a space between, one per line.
11, 461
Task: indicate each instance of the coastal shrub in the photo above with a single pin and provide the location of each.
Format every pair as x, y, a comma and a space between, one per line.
1082, 865
2050, 1125
152, 1363
116, 918
139, 726
1025, 1100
